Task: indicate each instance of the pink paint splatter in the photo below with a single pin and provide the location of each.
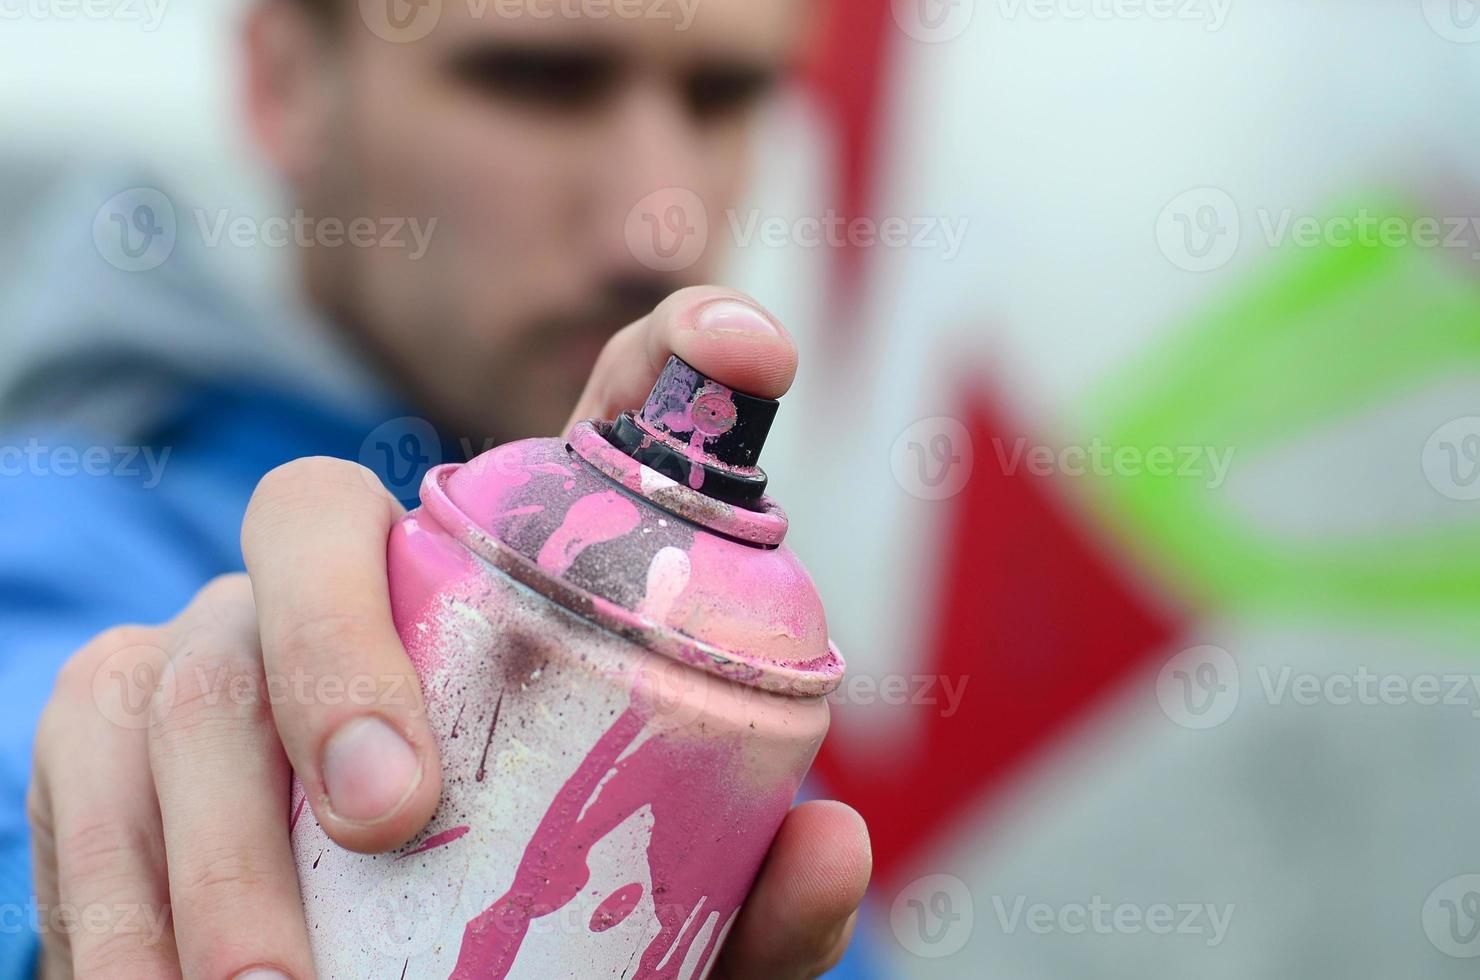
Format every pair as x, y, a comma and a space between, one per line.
435, 841
667, 577
297, 812
615, 908
683, 848
594, 519
518, 512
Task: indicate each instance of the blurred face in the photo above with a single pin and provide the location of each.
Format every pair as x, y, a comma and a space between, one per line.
559, 146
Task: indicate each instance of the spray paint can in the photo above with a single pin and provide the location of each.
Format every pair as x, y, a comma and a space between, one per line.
626, 672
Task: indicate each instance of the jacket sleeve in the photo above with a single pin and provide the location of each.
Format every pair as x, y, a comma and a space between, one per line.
78, 554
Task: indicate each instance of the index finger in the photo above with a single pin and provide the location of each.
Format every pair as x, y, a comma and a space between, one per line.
723, 334
314, 541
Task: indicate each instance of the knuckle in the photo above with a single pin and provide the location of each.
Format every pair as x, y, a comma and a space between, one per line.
225, 590
119, 955
302, 487
291, 477
209, 704
103, 852
222, 875
38, 813
306, 478
691, 296
75, 678
323, 640
112, 675
214, 696
215, 669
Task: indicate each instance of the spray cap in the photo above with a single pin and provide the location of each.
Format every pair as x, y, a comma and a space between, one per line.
700, 433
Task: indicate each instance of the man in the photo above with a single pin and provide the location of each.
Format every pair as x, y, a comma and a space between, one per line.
529, 138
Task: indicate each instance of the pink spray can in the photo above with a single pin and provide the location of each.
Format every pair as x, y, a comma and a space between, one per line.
626, 673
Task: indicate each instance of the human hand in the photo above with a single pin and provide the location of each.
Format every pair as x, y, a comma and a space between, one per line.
167, 821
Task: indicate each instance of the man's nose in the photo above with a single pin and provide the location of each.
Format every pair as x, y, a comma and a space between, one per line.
652, 188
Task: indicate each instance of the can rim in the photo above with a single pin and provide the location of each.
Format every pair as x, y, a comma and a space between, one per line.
803, 679
766, 525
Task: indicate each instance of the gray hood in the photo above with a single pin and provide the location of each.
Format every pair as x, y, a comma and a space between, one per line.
93, 337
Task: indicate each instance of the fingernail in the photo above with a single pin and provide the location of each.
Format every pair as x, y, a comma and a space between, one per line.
261, 973
369, 771
735, 316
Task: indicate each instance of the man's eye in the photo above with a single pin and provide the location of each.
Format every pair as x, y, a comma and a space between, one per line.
715, 93
565, 80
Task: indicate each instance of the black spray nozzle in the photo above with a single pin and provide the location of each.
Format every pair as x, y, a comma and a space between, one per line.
700, 433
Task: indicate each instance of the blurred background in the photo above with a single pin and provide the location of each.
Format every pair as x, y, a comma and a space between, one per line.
1136, 449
